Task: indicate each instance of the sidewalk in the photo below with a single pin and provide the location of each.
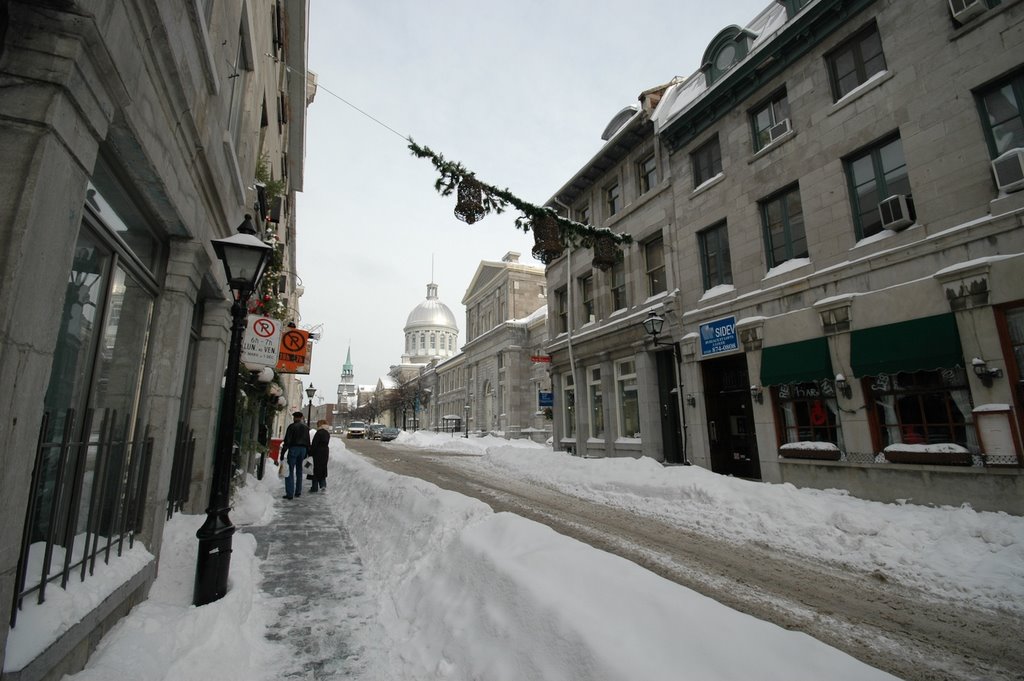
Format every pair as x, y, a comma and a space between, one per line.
315, 577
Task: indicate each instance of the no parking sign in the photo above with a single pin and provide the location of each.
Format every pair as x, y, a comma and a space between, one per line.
261, 340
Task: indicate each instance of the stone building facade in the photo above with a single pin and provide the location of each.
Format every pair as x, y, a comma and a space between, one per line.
132, 132
827, 216
491, 386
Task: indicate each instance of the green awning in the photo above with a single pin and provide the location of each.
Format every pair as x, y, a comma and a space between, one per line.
796, 362
914, 345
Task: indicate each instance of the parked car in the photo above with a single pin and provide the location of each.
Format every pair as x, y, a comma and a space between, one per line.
373, 431
388, 434
356, 429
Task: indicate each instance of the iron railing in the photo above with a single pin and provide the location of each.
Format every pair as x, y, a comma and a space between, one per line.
181, 469
102, 467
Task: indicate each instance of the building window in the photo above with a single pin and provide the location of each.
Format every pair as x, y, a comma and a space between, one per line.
618, 286
807, 412
569, 406
596, 402
707, 161
654, 259
583, 214
587, 297
423, 341
433, 341
714, 256
628, 404
647, 172
923, 407
561, 311
771, 121
873, 175
613, 199
783, 220
1002, 106
855, 61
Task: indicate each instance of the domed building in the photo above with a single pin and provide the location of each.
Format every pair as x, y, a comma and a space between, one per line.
430, 334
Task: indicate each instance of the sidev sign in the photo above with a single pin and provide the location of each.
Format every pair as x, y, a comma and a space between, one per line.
718, 336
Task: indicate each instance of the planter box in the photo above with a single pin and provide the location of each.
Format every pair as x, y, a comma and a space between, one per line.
929, 458
818, 454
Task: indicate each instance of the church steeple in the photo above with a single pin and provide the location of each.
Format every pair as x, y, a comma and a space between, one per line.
347, 393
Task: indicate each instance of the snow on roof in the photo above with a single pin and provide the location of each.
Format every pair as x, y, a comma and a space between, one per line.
681, 96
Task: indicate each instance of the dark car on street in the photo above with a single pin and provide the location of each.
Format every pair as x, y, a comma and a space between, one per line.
373, 431
388, 434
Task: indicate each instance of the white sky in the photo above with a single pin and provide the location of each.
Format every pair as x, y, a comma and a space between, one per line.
445, 588
519, 92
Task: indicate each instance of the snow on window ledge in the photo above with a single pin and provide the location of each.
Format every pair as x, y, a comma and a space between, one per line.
627, 441
716, 291
707, 184
787, 266
809, 446
938, 448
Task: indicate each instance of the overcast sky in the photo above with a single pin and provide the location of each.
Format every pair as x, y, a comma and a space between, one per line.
517, 91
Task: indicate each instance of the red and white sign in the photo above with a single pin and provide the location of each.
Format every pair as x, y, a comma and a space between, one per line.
261, 340
540, 359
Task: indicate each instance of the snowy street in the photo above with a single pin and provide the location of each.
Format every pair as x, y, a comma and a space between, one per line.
390, 577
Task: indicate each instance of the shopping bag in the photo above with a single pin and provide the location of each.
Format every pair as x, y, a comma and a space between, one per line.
282, 469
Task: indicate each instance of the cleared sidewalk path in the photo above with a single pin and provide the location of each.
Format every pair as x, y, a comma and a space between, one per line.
315, 576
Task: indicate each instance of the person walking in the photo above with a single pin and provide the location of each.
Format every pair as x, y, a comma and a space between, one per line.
319, 450
296, 444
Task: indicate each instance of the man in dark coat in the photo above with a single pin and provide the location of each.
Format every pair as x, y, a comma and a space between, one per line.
296, 444
319, 451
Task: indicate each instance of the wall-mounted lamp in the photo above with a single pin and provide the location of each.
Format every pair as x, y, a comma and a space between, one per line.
842, 387
982, 371
757, 394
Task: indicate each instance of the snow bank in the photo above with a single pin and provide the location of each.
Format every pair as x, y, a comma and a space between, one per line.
951, 552
469, 594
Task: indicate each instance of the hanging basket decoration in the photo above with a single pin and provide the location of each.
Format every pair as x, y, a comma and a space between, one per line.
470, 205
606, 252
547, 241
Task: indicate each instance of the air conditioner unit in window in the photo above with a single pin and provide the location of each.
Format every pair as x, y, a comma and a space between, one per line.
897, 212
779, 129
965, 10
1009, 170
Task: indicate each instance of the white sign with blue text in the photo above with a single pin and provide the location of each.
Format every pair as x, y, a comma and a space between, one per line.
718, 336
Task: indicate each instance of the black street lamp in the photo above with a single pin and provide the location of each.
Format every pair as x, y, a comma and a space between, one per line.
245, 258
466, 408
653, 325
310, 391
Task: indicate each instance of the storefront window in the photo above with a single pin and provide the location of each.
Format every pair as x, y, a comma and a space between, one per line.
628, 402
807, 412
924, 407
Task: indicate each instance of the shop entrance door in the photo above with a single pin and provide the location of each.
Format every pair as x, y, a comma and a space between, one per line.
731, 438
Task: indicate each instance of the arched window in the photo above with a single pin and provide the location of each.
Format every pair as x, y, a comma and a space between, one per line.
433, 341
423, 341
728, 48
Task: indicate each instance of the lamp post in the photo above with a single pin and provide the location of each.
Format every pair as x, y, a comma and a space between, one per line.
466, 420
653, 326
310, 391
244, 258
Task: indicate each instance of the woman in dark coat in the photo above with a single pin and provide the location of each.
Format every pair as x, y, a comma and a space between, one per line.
319, 450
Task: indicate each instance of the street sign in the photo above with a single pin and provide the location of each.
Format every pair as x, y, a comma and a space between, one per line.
261, 339
540, 359
718, 336
545, 398
295, 353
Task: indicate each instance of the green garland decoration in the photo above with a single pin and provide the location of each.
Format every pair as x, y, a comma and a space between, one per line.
496, 200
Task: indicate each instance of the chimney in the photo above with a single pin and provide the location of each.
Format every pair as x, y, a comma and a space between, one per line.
510, 257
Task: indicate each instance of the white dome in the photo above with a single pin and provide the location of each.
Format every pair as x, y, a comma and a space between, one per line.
431, 314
